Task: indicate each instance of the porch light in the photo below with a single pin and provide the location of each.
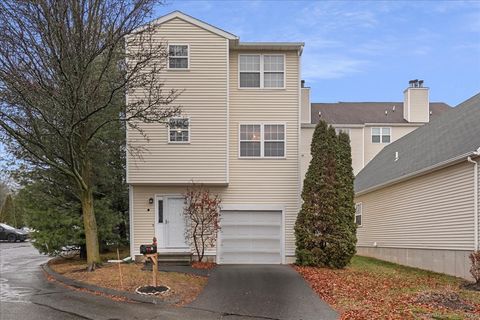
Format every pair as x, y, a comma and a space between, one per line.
150, 200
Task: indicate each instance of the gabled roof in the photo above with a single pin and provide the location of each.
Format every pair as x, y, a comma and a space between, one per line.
366, 112
192, 20
450, 137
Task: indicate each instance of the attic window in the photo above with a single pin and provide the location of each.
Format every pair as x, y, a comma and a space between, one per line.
178, 56
381, 135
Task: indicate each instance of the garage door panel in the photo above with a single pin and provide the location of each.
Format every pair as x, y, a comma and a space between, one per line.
251, 231
251, 237
251, 257
251, 245
249, 217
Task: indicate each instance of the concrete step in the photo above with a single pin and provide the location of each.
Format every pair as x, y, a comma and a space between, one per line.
174, 258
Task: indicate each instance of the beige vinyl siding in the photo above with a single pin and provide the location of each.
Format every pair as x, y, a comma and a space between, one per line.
251, 181
266, 181
144, 213
433, 211
372, 149
203, 99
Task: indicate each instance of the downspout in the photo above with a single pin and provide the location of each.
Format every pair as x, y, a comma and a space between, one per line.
475, 197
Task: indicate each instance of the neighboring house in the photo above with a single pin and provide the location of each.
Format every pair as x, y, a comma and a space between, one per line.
371, 125
238, 135
417, 200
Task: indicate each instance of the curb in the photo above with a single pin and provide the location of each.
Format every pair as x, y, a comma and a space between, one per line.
90, 287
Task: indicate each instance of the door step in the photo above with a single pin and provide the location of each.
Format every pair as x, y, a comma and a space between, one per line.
175, 258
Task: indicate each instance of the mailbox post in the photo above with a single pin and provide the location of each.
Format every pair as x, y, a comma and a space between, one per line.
150, 253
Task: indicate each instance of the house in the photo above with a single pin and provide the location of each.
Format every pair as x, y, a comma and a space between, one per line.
417, 200
370, 125
238, 135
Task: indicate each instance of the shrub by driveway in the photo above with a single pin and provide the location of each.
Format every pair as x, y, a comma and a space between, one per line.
374, 289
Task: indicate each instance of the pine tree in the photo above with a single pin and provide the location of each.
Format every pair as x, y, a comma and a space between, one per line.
325, 228
316, 219
7, 214
346, 239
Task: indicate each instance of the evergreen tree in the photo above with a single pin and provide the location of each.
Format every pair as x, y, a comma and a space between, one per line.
346, 239
7, 215
325, 229
316, 218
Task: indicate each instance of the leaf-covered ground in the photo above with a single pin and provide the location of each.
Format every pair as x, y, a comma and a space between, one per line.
374, 289
184, 287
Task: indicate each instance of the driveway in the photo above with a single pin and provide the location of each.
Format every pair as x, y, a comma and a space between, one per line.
263, 291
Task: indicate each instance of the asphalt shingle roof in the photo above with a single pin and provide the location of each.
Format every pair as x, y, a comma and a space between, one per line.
453, 134
366, 112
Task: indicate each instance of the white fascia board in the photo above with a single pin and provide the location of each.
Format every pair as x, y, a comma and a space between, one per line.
190, 19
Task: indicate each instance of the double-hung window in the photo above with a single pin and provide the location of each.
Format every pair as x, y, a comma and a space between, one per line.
261, 71
381, 135
358, 214
179, 130
178, 56
262, 140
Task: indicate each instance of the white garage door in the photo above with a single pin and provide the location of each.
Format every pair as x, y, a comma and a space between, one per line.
251, 237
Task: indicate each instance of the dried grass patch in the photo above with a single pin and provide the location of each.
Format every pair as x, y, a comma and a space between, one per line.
373, 289
184, 287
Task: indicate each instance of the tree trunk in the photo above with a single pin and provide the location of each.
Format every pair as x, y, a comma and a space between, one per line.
90, 226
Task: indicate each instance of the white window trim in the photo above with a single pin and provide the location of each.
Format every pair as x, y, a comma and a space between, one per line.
189, 131
262, 72
188, 57
262, 140
381, 134
361, 213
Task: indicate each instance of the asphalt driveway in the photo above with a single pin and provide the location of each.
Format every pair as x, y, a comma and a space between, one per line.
263, 291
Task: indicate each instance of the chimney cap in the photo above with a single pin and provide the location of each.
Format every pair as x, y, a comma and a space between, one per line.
415, 83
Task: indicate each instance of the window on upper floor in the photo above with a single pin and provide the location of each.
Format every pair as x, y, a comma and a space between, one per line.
261, 71
358, 214
381, 135
178, 56
262, 140
344, 130
179, 130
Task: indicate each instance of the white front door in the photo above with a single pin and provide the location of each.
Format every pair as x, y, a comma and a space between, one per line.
170, 224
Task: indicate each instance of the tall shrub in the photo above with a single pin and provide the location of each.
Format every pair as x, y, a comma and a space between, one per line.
325, 228
345, 230
316, 219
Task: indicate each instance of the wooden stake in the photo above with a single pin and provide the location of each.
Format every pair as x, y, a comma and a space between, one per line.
120, 269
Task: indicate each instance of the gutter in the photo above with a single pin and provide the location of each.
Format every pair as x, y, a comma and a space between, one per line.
423, 171
475, 197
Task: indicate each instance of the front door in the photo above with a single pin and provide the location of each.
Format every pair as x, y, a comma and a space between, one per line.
170, 226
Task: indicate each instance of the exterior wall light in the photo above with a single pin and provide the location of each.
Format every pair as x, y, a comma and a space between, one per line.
150, 201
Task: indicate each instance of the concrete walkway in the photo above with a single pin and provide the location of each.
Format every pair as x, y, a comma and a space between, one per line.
264, 291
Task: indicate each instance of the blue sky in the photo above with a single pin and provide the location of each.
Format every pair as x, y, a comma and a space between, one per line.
363, 50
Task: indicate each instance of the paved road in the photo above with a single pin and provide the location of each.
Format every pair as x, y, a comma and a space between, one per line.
270, 291
26, 294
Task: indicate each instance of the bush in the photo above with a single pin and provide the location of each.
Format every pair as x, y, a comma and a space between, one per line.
325, 227
475, 267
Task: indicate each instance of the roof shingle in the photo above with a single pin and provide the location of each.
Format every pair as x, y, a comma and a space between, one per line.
451, 135
366, 112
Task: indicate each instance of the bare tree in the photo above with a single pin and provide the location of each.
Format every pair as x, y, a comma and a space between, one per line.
202, 217
64, 76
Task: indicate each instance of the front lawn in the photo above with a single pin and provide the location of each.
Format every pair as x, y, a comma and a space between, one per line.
373, 289
184, 287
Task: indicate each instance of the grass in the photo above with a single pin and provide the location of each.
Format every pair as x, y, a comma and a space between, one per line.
184, 288
373, 289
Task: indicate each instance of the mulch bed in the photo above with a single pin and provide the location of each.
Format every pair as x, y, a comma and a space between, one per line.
203, 265
184, 288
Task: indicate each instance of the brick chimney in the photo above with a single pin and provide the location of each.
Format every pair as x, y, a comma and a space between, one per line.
305, 106
416, 104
